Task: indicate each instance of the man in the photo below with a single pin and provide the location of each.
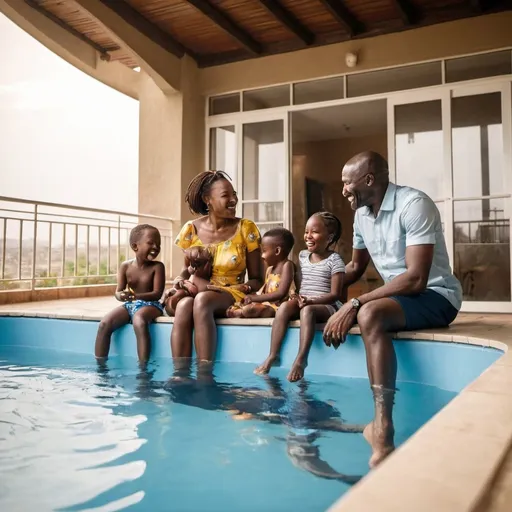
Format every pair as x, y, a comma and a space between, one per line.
399, 228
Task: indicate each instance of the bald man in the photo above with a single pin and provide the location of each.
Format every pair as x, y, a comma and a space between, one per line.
399, 228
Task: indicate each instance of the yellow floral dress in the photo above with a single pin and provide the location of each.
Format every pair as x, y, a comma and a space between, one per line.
229, 257
271, 285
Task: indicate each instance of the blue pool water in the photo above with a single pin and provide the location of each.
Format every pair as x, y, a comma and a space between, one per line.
75, 436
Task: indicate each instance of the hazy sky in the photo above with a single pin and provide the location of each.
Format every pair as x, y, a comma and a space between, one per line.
64, 136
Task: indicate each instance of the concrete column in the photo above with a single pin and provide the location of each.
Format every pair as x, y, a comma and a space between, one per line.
171, 148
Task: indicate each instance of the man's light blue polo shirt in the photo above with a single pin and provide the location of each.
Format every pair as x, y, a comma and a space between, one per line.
406, 217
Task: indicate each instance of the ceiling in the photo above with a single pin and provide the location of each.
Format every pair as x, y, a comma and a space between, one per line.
220, 31
343, 121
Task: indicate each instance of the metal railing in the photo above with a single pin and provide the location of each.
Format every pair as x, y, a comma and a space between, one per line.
487, 231
46, 245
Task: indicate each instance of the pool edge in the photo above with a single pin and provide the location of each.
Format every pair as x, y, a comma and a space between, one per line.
448, 464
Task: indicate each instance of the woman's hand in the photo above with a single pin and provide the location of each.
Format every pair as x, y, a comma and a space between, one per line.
169, 293
248, 299
245, 288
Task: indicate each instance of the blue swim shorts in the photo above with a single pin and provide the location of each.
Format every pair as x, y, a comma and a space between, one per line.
133, 306
427, 310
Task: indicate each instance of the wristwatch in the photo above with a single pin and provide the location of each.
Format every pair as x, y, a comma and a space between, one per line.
355, 304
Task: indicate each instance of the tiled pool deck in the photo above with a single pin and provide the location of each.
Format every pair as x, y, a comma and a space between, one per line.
460, 461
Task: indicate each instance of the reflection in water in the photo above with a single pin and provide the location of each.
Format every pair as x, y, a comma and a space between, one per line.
119, 435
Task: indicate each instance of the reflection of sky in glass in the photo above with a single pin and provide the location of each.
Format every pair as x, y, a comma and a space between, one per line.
419, 161
64, 136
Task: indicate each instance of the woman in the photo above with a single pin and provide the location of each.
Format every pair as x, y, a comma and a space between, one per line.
235, 246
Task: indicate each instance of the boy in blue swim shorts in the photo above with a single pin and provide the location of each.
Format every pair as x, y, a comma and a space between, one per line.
140, 285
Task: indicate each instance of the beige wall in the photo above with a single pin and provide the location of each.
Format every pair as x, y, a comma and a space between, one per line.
171, 148
448, 39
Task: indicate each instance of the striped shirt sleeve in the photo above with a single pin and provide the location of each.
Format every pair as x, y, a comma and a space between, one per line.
336, 263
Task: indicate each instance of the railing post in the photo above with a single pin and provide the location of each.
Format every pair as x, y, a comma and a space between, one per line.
118, 252
34, 248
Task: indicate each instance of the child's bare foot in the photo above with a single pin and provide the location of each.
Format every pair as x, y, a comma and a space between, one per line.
381, 441
234, 312
264, 368
297, 371
243, 416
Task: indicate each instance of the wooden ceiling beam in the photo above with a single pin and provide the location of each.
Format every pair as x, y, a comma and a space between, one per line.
344, 17
104, 53
150, 30
480, 5
288, 19
408, 11
226, 23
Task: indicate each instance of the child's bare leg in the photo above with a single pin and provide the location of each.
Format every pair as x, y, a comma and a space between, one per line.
255, 310
200, 282
141, 321
336, 425
112, 321
309, 317
234, 312
286, 312
173, 301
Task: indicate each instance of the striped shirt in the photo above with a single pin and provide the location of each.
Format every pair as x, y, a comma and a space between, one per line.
316, 277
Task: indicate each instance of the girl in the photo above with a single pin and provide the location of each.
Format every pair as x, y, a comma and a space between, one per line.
276, 245
320, 291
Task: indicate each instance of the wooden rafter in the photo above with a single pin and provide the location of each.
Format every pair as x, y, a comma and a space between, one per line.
480, 5
288, 19
408, 11
104, 53
344, 17
144, 26
227, 24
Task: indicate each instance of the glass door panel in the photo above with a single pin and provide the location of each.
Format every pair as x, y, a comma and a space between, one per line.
481, 225
223, 151
264, 173
419, 146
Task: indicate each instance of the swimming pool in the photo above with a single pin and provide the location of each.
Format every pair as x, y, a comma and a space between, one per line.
117, 436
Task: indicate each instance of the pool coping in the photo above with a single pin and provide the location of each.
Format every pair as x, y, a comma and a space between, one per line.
449, 464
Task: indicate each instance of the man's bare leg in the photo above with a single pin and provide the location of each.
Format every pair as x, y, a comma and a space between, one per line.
377, 320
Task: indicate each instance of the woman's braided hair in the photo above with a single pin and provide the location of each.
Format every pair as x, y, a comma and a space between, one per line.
333, 225
199, 187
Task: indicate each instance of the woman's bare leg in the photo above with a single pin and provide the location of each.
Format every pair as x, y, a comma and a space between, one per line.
207, 305
181, 334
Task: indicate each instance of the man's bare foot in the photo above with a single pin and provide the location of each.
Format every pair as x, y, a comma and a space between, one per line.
381, 443
264, 368
297, 371
368, 433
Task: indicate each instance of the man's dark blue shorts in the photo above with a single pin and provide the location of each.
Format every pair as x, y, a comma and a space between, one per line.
426, 310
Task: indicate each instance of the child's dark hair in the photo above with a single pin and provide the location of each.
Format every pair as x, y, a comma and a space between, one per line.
333, 225
137, 231
200, 186
285, 237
